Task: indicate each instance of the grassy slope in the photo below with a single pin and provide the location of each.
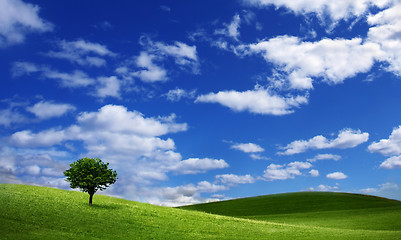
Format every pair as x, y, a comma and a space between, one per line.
322, 209
28, 212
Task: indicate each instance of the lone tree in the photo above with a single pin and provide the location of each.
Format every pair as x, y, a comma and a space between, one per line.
90, 175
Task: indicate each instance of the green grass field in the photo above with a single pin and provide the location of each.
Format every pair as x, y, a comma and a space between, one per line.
317, 209
28, 212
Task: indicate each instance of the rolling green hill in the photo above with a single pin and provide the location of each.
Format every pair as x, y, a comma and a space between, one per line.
322, 209
28, 212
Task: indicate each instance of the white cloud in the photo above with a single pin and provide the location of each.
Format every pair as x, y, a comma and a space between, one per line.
390, 190
390, 146
149, 65
314, 173
198, 165
232, 29
24, 68
118, 119
48, 109
391, 163
177, 94
82, 52
324, 188
150, 71
333, 60
27, 138
248, 147
104, 86
11, 116
336, 10
31, 170
108, 87
381, 188
255, 101
283, 172
129, 141
185, 194
32, 166
324, 157
18, 18
71, 80
336, 175
232, 179
385, 30
181, 52
258, 157
347, 138
113, 120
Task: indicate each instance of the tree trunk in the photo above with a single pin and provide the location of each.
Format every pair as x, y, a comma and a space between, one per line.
90, 199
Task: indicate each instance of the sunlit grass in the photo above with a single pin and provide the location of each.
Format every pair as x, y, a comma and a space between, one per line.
28, 212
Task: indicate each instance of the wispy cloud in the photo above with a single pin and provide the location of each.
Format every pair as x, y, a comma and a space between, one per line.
82, 52
17, 20
232, 29
347, 138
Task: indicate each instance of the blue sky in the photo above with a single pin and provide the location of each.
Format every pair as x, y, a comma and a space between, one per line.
203, 101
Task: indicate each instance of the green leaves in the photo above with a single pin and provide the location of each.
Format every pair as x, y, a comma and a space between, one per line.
90, 175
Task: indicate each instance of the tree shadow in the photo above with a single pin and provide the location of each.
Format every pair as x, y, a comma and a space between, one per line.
109, 206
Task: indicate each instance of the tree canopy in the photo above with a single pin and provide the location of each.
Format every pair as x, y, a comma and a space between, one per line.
90, 175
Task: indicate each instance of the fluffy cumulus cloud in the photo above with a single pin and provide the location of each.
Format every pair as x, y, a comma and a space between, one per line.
391, 163
255, 101
333, 60
33, 166
336, 176
185, 194
389, 147
248, 147
82, 52
18, 18
283, 172
132, 143
386, 31
48, 109
336, 10
347, 138
232, 179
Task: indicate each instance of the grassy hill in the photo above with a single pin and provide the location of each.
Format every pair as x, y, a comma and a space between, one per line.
322, 209
28, 212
